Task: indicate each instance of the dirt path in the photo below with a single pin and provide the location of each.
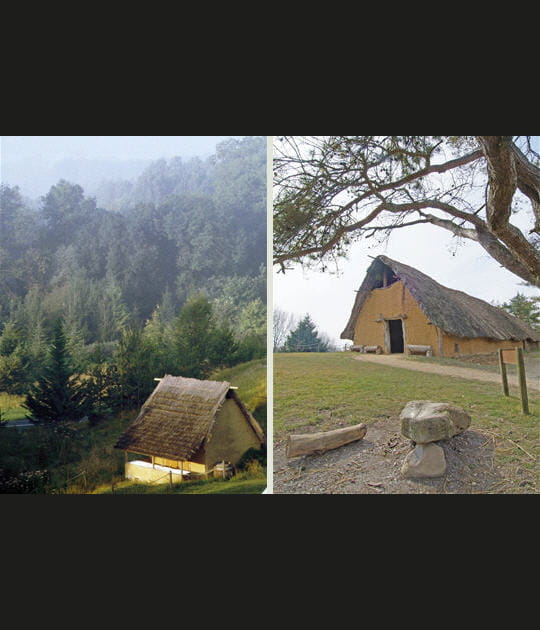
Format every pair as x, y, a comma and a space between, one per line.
400, 361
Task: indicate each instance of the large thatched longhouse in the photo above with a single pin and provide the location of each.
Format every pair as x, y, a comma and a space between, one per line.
188, 426
399, 309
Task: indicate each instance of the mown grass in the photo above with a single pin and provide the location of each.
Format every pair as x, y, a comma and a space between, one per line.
11, 407
327, 390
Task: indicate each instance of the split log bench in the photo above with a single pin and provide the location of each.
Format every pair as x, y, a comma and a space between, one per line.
415, 349
364, 349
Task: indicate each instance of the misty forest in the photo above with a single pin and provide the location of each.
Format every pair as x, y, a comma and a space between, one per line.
101, 292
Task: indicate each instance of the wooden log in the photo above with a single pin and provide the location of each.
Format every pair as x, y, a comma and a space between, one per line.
310, 443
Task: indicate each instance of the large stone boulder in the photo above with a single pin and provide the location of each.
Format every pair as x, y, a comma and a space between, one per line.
424, 421
425, 460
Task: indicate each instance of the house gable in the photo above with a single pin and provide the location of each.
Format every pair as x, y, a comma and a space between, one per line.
392, 303
232, 434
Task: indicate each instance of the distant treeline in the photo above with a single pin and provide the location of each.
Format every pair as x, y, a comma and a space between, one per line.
183, 231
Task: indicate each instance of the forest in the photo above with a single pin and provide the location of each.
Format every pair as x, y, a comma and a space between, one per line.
101, 293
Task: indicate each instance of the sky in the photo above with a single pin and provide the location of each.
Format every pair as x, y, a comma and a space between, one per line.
107, 147
328, 299
35, 163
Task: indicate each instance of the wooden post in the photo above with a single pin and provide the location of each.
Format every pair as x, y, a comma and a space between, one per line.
503, 373
440, 341
170, 479
522, 380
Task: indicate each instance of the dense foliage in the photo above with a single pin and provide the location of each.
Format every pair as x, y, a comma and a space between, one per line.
184, 235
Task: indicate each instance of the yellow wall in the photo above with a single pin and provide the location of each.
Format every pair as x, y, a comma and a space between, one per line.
231, 436
149, 474
478, 345
392, 302
193, 466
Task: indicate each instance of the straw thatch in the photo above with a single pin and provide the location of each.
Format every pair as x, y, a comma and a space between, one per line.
454, 312
178, 417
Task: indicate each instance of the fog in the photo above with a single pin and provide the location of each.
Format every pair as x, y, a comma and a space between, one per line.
35, 163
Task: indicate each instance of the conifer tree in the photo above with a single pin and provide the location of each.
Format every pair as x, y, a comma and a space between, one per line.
304, 338
133, 371
525, 308
56, 397
201, 344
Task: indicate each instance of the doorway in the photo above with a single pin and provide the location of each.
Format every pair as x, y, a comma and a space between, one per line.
395, 327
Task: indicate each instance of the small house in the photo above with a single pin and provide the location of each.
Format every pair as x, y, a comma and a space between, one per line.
188, 426
399, 309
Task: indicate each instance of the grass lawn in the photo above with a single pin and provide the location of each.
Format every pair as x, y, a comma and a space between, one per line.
232, 486
11, 407
326, 390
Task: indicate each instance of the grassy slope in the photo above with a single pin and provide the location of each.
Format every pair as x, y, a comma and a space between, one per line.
250, 378
11, 407
330, 390
233, 486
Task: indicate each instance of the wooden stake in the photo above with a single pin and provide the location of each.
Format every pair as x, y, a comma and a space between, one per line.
522, 380
503, 373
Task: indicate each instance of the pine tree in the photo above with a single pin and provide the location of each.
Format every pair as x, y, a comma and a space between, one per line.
103, 385
57, 397
525, 308
192, 330
133, 371
200, 344
304, 338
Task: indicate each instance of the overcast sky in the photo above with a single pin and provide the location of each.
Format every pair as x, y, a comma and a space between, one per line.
108, 147
35, 163
329, 298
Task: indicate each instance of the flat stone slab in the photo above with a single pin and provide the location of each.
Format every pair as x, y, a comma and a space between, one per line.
424, 421
425, 460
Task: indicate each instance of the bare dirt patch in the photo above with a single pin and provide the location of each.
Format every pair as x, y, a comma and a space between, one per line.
372, 466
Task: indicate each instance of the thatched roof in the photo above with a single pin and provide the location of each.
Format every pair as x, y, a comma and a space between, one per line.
454, 312
179, 416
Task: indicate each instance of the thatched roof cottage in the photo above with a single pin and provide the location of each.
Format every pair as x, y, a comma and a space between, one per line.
400, 309
188, 426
